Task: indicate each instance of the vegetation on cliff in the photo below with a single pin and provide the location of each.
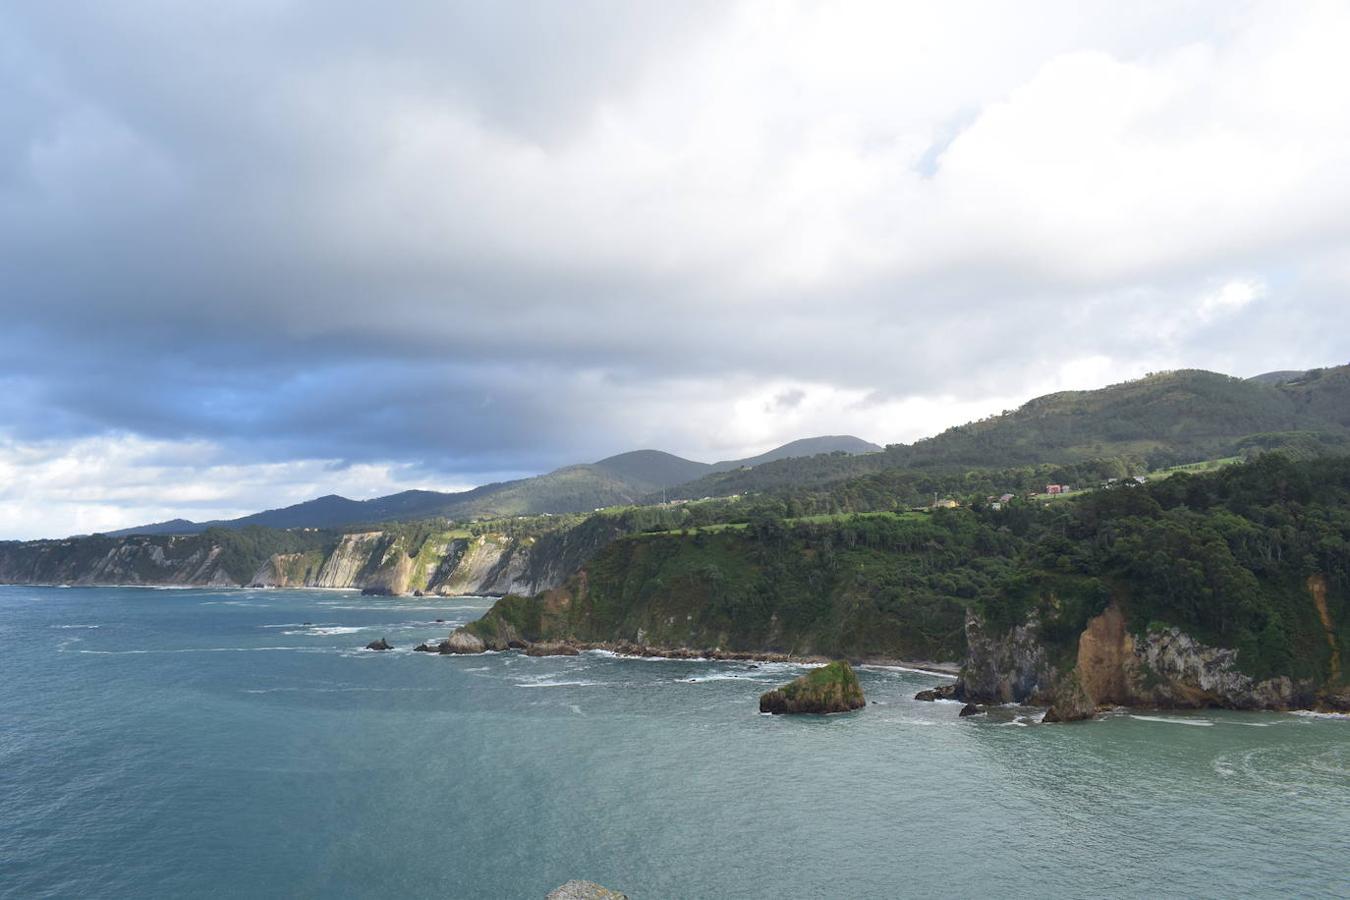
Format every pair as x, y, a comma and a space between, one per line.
830, 688
1145, 424
1225, 557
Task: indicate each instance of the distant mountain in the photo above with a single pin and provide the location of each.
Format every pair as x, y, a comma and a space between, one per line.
1281, 377
652, 467
834, 443
1162, 419
622, 479
172, 526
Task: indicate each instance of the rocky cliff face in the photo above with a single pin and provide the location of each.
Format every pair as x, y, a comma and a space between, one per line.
1115, 665
1008, 667
491, 564
170, 560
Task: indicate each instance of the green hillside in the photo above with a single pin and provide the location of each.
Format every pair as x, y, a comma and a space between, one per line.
1227, 557
1153, 422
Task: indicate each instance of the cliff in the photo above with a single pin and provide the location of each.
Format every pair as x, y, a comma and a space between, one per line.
1117, 662
738, 592
397, 560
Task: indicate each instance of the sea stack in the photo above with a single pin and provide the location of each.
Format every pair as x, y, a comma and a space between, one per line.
831, 688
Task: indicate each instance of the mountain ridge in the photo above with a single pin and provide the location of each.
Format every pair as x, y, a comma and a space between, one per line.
615, 480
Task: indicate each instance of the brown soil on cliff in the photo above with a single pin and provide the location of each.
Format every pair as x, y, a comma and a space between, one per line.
1317, 586
1104, 649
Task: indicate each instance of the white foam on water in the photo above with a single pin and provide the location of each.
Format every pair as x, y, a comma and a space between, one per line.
723, 676
882, 668
1313, 714
1203, 723
77, 626
324, 630
540, 684
198, 650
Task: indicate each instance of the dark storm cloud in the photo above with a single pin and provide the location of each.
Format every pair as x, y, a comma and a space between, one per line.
488, 237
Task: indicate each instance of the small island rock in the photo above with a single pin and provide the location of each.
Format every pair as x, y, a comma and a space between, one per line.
584, 890
970, 709
381, 644
945, 692
829, 689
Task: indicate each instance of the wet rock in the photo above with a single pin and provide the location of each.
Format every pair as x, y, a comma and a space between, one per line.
1071, 701
376, 592
427, 647
584, 890
970, 709
418, 594
462, 642
551, 648
943, 692
381, 644
829, 689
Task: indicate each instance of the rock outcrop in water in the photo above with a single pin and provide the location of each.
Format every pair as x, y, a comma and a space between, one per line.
462, 641
831, 688
381, 644
943, 692
1071, 702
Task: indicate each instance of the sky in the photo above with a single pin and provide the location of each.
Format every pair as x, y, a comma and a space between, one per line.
256, 252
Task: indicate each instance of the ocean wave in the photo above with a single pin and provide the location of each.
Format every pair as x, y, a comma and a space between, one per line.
551, 683
76, 626
198, 650
1204, 723
726, 676
885, 668
1314, 714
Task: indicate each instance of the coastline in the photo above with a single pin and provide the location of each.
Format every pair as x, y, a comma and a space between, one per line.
631, 650
236, 587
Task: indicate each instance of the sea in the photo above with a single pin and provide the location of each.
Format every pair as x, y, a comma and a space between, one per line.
242, 743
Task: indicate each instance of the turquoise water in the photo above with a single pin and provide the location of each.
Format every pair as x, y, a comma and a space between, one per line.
208, 743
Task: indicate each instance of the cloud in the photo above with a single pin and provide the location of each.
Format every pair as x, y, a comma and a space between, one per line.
475, 239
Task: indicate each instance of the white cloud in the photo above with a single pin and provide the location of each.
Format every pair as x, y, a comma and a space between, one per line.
901, 215
106, 483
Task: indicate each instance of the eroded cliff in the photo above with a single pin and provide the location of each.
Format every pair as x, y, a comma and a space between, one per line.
1118, 663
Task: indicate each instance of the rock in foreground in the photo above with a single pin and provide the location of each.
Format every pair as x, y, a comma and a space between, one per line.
831, 688
584, 890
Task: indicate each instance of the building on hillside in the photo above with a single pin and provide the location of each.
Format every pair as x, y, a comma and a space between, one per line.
947, 503
1054, 488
